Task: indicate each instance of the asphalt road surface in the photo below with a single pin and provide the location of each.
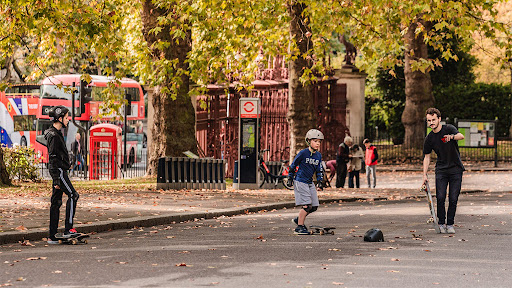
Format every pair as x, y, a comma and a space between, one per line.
260, 250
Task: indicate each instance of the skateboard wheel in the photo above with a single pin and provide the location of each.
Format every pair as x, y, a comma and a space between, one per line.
85, 241
322, 232
73, 241
332, 232
60, 241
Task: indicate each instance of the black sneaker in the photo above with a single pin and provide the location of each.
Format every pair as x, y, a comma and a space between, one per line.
71, 233
296, 220
302, 230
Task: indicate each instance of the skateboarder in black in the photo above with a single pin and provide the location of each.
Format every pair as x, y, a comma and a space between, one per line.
443, 140
58, 165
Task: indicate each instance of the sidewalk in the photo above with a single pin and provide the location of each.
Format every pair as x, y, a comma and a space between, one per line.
26, 218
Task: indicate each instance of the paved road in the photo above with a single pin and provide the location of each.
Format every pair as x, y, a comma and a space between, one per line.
259, 250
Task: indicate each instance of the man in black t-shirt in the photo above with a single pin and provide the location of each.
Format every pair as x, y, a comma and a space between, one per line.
443, 140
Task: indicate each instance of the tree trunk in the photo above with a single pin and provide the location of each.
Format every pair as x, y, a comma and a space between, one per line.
4, 177
418, 90
173, 131
301, 113
8, 65
510, 129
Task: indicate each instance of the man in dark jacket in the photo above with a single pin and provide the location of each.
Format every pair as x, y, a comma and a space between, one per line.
76, 149
342, 158
58, 164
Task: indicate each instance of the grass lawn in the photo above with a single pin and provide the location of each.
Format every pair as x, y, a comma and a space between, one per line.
44, 187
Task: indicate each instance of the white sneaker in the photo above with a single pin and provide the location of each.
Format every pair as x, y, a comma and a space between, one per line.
450, 229
442, 228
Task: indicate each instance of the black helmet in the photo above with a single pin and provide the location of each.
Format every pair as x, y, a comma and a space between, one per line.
374, 235
56, 112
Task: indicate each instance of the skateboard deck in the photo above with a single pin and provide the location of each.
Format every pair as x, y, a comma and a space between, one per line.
433, 217
80, 238
315, 229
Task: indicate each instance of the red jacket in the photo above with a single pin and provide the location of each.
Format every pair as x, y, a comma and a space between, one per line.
371, 156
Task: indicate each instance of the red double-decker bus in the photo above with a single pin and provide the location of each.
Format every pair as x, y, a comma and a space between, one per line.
56, 90
19, 105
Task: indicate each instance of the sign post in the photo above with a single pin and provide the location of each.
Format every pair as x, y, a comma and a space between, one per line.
248, 143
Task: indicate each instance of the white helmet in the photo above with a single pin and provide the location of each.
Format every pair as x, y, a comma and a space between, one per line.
314, 134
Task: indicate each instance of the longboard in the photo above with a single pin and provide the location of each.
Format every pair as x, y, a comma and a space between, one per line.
73, 240
433, 217
315, 229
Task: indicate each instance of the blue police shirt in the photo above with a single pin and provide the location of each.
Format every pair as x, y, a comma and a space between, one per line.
308, 164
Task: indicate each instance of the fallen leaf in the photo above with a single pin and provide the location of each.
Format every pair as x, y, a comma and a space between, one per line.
27, 243
182, 265
21, 228
337, 283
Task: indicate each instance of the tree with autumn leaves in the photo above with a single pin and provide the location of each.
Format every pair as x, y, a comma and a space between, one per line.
179, 47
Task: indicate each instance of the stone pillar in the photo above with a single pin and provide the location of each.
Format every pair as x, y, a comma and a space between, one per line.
355, 82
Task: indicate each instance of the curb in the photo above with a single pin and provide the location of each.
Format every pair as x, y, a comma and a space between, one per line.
37, 234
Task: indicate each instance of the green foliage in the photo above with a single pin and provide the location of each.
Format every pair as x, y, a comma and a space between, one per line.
21, 163
387, 104
476, 102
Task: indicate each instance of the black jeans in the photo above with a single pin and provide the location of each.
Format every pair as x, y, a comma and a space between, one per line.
61, 179
455, 183
341, 173
351, 176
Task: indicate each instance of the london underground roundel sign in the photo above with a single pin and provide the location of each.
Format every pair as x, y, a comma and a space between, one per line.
249, 108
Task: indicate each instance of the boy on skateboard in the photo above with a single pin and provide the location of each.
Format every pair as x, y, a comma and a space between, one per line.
58, 164
443, 140
309, 162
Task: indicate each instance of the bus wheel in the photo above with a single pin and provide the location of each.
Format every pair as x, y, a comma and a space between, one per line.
23, 141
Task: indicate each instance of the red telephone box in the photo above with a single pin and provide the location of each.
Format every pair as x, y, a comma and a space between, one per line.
105, 146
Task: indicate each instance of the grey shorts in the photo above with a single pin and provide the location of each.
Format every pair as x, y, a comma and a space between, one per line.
305, 194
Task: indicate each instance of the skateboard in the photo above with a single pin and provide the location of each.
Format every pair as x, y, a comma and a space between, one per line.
433, 217
321, 230
73, 240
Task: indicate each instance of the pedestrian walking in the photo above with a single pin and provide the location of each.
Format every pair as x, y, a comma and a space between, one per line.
354, 166
58, 165
76, 149
370, 159
309, 162
342, 158
443, 140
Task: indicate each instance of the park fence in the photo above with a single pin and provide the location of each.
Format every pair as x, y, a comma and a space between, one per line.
102, 165
395, 151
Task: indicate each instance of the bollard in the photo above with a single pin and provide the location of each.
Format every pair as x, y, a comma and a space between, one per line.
174, 174
162, 175
222, 173
193, 173
186, 173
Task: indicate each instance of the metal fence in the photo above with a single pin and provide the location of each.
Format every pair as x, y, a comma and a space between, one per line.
102, 165
390, 153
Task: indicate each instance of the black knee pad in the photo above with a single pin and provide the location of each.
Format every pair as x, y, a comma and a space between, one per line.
307, 208
76, 196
